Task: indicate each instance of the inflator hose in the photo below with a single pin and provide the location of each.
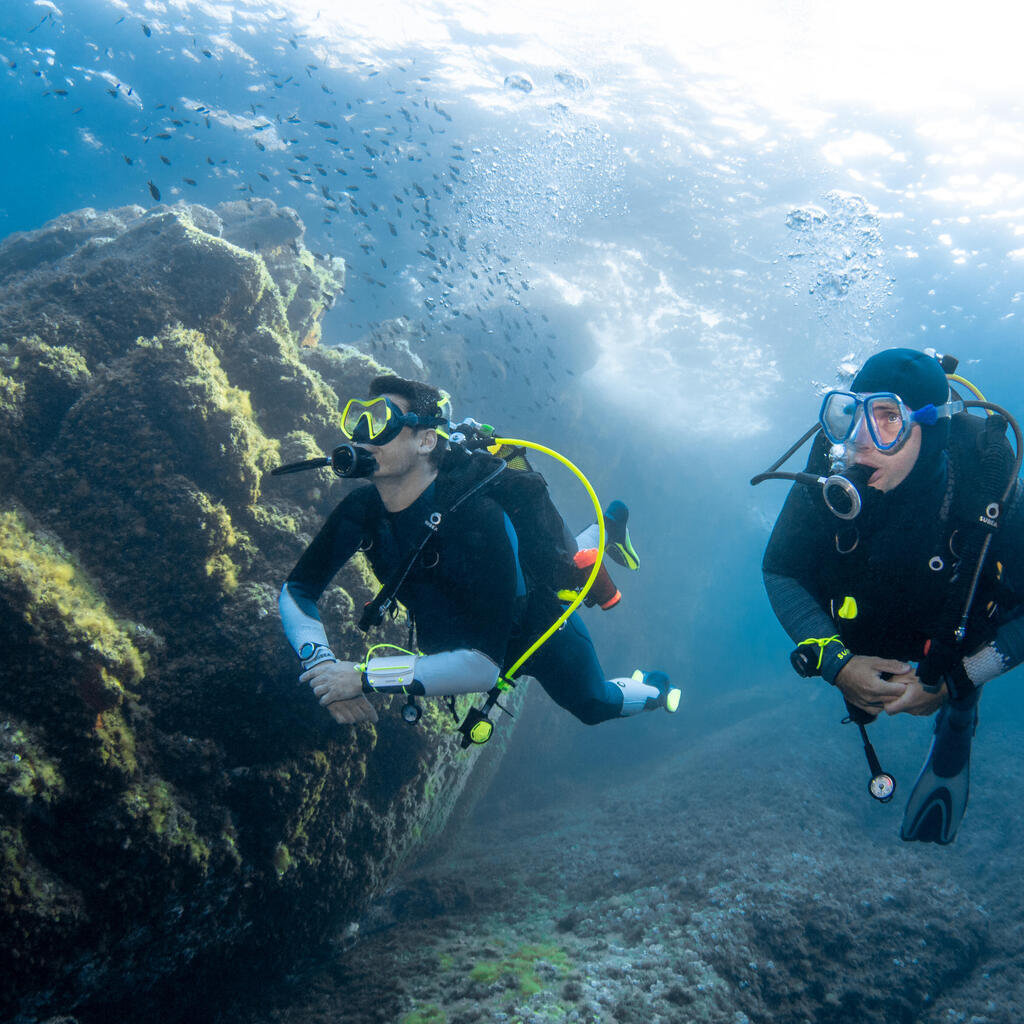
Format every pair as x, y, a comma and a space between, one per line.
585, 589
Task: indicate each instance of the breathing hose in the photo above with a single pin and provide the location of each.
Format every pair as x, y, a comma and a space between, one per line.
585, 589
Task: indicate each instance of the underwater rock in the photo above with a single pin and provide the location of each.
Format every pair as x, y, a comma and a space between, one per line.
172, 803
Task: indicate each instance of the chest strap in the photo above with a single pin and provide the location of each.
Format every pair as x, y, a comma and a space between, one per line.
375, 610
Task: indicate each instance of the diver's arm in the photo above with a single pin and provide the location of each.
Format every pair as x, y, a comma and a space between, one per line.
792, 563
341, 685
1006, 650
805, 620
332, 547
431, 675
302, 625
867, 682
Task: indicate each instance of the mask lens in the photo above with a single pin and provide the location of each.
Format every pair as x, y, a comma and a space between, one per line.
838, 413
370, 419
885, 421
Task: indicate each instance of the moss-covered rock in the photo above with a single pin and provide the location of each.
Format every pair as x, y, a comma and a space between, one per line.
171, 799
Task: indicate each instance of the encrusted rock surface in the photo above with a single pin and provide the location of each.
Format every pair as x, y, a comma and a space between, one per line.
170, 798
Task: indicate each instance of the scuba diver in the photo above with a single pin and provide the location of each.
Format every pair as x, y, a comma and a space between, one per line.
479, 591
897, 564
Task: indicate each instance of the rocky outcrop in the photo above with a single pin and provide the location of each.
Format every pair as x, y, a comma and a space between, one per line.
169, 797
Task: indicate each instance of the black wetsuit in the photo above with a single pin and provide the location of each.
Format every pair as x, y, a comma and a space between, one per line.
466, 591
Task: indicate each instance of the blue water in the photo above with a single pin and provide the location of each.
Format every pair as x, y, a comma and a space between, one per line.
671, 236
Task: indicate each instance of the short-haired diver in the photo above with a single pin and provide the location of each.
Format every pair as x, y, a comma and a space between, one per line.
478, 593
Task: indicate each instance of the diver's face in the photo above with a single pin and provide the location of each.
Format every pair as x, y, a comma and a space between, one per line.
405, 451
891, 468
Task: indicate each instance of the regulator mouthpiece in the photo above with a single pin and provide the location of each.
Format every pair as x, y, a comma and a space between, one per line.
351, 462
845, 492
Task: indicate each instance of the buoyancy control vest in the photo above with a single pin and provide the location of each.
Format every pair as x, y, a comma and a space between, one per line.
544, 544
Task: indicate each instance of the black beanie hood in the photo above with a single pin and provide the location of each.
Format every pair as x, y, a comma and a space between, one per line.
919, 380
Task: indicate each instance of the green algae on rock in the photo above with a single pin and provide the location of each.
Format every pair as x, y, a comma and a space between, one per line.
171, 800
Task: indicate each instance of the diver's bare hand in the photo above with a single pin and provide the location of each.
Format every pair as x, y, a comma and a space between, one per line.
355, 709
916, 700
339, 685
861, 682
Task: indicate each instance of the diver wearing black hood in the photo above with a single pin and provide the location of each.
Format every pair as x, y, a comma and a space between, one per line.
870, 594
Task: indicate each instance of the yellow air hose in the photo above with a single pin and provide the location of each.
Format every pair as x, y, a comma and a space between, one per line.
967, 384
585, 589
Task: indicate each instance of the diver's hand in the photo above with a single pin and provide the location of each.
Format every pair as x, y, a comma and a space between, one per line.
916, 700
339, 685
861, 682
355, 709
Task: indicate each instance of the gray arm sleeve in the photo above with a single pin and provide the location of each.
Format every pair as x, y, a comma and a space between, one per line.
456, 672
300, 619
433, 675
803, 618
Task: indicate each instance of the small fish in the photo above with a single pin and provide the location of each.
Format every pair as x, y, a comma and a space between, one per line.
189, 181
128, 160
154, 191
163, 135
147, 31
206, 53
165, 160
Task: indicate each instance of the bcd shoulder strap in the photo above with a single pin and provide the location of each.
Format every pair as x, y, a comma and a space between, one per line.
374, 611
